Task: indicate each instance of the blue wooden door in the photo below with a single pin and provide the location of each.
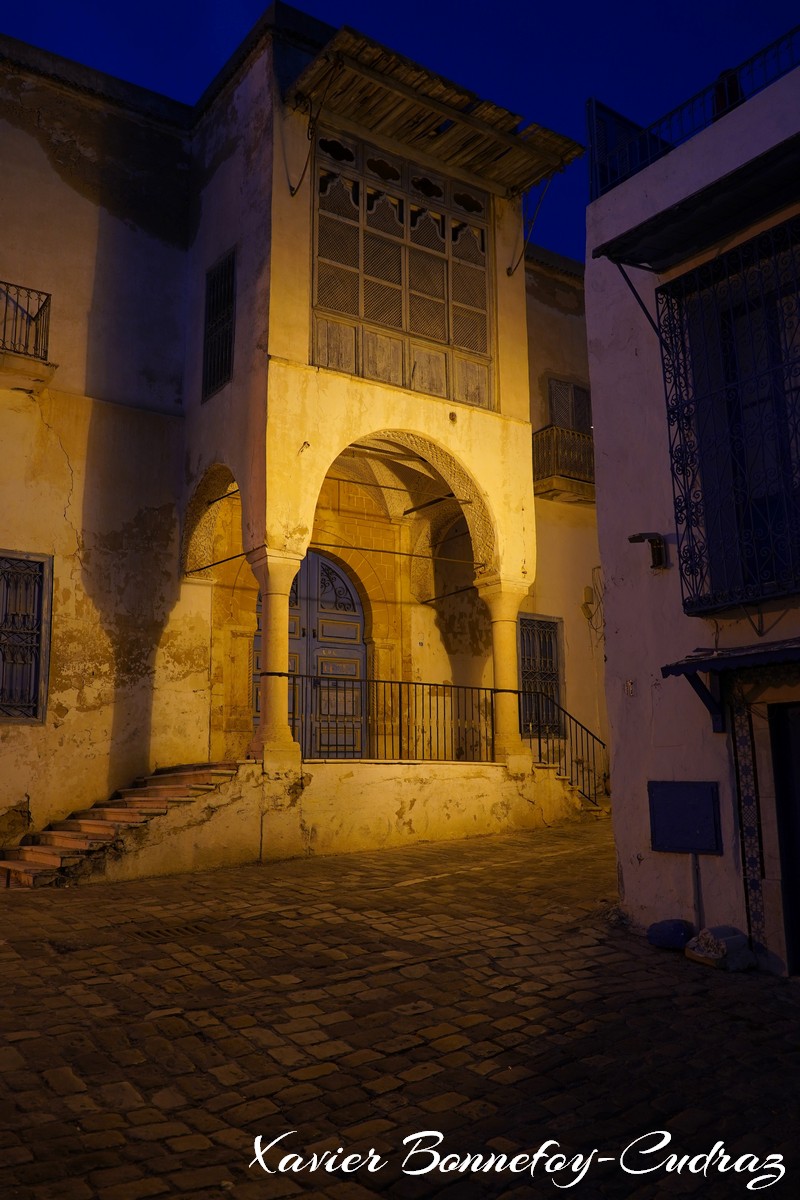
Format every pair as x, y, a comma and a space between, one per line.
327, 703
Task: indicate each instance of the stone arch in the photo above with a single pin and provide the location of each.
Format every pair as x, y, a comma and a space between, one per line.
476, 512
201, 519
367, 583
424, 546
212, 554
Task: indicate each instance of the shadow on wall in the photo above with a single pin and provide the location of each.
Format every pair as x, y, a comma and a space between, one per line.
129, 549
462, 617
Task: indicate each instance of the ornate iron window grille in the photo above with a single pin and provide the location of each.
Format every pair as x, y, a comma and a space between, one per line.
539, 673
25, 586
219, 325
731, 358
24, 320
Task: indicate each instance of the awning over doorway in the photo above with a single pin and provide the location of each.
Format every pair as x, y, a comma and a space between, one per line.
731, 658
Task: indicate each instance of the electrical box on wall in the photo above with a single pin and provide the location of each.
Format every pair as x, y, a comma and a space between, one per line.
684, 817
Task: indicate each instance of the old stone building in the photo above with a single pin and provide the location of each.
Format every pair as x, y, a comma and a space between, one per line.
268, 498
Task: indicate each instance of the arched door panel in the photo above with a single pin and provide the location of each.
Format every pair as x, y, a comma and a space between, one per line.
327, 705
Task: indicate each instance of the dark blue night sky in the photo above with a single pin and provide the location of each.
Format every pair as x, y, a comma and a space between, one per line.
540, 60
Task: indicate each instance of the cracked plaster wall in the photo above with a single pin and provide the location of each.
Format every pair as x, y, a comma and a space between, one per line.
92, 485
340, 808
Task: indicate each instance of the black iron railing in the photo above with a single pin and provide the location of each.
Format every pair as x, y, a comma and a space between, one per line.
24, 320
619, 148
558, 739
333, 717
564, 452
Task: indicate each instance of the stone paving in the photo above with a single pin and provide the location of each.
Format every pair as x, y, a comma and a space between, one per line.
150, 1031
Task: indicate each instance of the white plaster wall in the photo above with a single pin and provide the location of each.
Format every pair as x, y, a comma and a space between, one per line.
659, 729
556, 334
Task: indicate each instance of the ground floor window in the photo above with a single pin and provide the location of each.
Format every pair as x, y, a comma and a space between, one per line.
25, 589
539, 674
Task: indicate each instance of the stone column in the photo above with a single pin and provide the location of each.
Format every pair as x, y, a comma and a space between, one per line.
273, 740
384, 739
503, 600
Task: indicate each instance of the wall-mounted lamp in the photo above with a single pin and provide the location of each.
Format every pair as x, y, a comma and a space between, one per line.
658, 548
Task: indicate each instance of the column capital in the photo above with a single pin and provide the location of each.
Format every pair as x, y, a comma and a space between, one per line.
274, 569
503, 597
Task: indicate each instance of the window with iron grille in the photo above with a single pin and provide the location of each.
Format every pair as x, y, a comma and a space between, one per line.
25, 589
219, 324
570, 406
401, 289
539, 674
731, 354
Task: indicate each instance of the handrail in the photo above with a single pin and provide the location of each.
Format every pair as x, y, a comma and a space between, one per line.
558, 738
340, 717
620, 148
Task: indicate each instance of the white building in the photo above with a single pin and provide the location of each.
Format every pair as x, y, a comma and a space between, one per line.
693, 317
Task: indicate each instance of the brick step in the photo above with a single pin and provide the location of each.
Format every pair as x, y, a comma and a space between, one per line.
62, 839
154, 806
47, 856
27, 874
97, 830
197, 773
126, 816
185, 791
40, 856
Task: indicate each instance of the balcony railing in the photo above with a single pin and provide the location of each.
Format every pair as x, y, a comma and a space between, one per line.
558, 739
332, 717
24, 320
564, 452
619, 148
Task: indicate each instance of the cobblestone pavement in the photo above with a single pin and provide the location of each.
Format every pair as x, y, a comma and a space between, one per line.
150, 1031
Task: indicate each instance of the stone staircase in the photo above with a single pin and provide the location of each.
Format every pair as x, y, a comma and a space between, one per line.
69, 850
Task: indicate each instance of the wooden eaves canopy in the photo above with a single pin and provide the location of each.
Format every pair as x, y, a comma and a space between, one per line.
361, 85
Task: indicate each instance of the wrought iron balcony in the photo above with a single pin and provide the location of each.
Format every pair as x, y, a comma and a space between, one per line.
619, 148
24, 321
563, 464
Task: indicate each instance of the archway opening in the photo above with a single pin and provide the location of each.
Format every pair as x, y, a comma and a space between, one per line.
408, 672
213, 555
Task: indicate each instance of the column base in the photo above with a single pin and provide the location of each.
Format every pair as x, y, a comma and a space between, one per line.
515, 755
282, 757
